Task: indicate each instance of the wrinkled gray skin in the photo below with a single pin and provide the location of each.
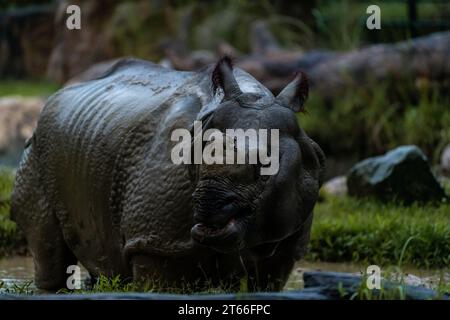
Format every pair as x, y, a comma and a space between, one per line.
96, 183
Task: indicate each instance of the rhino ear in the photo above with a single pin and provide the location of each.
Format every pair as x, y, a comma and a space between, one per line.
223, 77
294, 95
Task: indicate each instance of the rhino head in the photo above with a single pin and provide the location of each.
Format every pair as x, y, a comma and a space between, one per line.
236, 207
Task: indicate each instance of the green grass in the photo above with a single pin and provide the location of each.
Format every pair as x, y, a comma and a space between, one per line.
117, 284
17, 288
9, 236
27, 88
347, 229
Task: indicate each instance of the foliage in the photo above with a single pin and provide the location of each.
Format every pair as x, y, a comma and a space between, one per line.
337, 25
341, 25
347, 229
9, 236
24, 287
27, 88
374, 119
117, 284
15, 4
142, 25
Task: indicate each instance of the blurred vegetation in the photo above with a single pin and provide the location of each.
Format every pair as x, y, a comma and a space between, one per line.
9, 237
14, 4
373, 119
338, 23
202, 25
347, 229
140, 26
27, 88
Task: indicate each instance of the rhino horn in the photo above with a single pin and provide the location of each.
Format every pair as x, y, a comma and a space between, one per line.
223, 77
294, 95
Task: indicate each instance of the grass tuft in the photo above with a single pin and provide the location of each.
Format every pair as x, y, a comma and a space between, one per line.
347, 229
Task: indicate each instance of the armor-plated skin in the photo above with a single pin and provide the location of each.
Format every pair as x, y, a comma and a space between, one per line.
96, 183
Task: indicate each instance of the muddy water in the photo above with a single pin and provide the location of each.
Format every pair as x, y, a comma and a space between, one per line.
16, 268
18, 271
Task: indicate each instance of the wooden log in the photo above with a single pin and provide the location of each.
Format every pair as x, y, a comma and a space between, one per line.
332, 72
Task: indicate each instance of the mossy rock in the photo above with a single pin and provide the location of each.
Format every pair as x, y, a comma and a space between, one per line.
402, 175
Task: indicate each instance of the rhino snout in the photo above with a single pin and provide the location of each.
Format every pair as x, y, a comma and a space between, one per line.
218, 221
216, 214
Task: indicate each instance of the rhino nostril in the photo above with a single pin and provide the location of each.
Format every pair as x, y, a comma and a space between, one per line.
217, 217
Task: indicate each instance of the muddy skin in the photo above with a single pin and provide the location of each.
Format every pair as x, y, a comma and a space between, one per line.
96, 183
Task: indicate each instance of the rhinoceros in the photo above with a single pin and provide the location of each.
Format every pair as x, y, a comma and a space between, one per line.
96, 183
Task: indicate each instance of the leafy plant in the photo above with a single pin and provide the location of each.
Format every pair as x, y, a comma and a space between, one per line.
374, 119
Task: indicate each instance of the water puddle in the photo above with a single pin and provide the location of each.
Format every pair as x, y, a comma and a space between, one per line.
17, 273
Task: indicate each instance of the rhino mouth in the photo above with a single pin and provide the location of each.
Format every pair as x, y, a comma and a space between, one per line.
223, 238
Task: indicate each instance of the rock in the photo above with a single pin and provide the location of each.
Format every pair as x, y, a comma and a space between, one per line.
445, 160
349, 284
336, 186
402, 174
18, 117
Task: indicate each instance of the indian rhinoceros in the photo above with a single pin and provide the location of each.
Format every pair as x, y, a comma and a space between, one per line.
97, 185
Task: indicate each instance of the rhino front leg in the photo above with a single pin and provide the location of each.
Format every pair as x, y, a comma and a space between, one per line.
271, 274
